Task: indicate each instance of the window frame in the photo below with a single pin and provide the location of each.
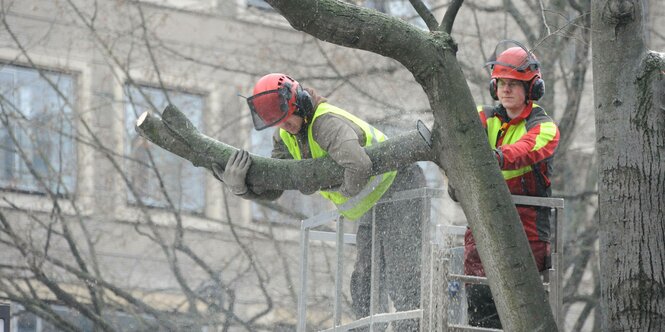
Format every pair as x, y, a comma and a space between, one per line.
257, 14
197, 173
72, 105
203, 8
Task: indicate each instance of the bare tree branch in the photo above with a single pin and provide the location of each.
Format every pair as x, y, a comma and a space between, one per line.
425, 14
449, 17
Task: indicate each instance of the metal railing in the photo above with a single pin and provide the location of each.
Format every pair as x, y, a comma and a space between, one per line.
552, 277
438, 263
307, 234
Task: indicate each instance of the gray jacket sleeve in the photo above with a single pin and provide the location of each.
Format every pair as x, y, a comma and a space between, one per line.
343, 141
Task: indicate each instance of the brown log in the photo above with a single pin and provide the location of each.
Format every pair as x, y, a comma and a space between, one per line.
176, 134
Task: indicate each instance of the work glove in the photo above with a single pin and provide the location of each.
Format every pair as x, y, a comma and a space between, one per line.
235, 172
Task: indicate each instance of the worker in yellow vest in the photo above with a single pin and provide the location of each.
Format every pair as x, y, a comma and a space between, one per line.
310, 127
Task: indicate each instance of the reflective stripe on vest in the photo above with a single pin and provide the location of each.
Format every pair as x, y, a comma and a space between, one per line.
513, 134
353, 207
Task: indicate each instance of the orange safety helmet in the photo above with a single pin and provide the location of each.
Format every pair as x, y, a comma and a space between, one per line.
275, 98
519, 64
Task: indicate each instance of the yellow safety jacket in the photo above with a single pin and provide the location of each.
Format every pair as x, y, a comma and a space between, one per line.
524, 147
350, 207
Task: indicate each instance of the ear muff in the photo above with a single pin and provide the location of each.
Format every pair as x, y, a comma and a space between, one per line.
493, 87
537, 89
304, 103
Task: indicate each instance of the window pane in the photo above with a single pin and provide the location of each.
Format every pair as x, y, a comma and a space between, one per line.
26, 322
198, 5
261, 4
398, 8
183, 183
37, 148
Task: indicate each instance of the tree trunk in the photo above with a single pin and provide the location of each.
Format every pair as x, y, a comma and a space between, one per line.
459, 143
629, 92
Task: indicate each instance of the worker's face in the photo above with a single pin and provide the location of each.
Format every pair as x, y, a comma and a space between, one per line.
511, 94
292, 124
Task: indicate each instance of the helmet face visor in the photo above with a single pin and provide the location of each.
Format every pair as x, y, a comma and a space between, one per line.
269, 108
513, 60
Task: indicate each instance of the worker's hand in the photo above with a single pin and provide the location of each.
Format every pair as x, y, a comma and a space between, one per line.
350, 190
235, 172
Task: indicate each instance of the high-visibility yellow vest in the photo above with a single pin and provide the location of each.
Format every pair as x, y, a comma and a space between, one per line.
350, 207
513, 134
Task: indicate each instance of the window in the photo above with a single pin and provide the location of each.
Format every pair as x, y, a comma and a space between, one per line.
260, 4
259, 12
26, 321
37, 150
291, 200
194, 5
183, 183
398, 8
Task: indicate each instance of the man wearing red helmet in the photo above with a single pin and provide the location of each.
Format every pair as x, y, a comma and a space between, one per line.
310, 127
524, 139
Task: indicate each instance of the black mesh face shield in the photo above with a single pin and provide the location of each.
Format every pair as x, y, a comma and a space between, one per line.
269, 108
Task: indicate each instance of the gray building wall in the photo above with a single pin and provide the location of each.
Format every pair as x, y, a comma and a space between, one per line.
215, 53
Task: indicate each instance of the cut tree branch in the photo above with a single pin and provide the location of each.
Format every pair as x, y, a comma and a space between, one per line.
176, 134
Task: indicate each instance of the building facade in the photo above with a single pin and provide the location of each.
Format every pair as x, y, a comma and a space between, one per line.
100, 227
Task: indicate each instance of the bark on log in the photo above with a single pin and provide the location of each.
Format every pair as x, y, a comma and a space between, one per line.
176, 134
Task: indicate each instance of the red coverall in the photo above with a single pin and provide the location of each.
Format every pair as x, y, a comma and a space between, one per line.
524, 147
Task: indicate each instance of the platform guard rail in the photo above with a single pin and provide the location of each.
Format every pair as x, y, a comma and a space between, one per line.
441, 268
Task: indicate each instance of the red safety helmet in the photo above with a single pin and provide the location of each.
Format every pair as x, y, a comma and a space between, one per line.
519, 64
515, 63
274, 99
